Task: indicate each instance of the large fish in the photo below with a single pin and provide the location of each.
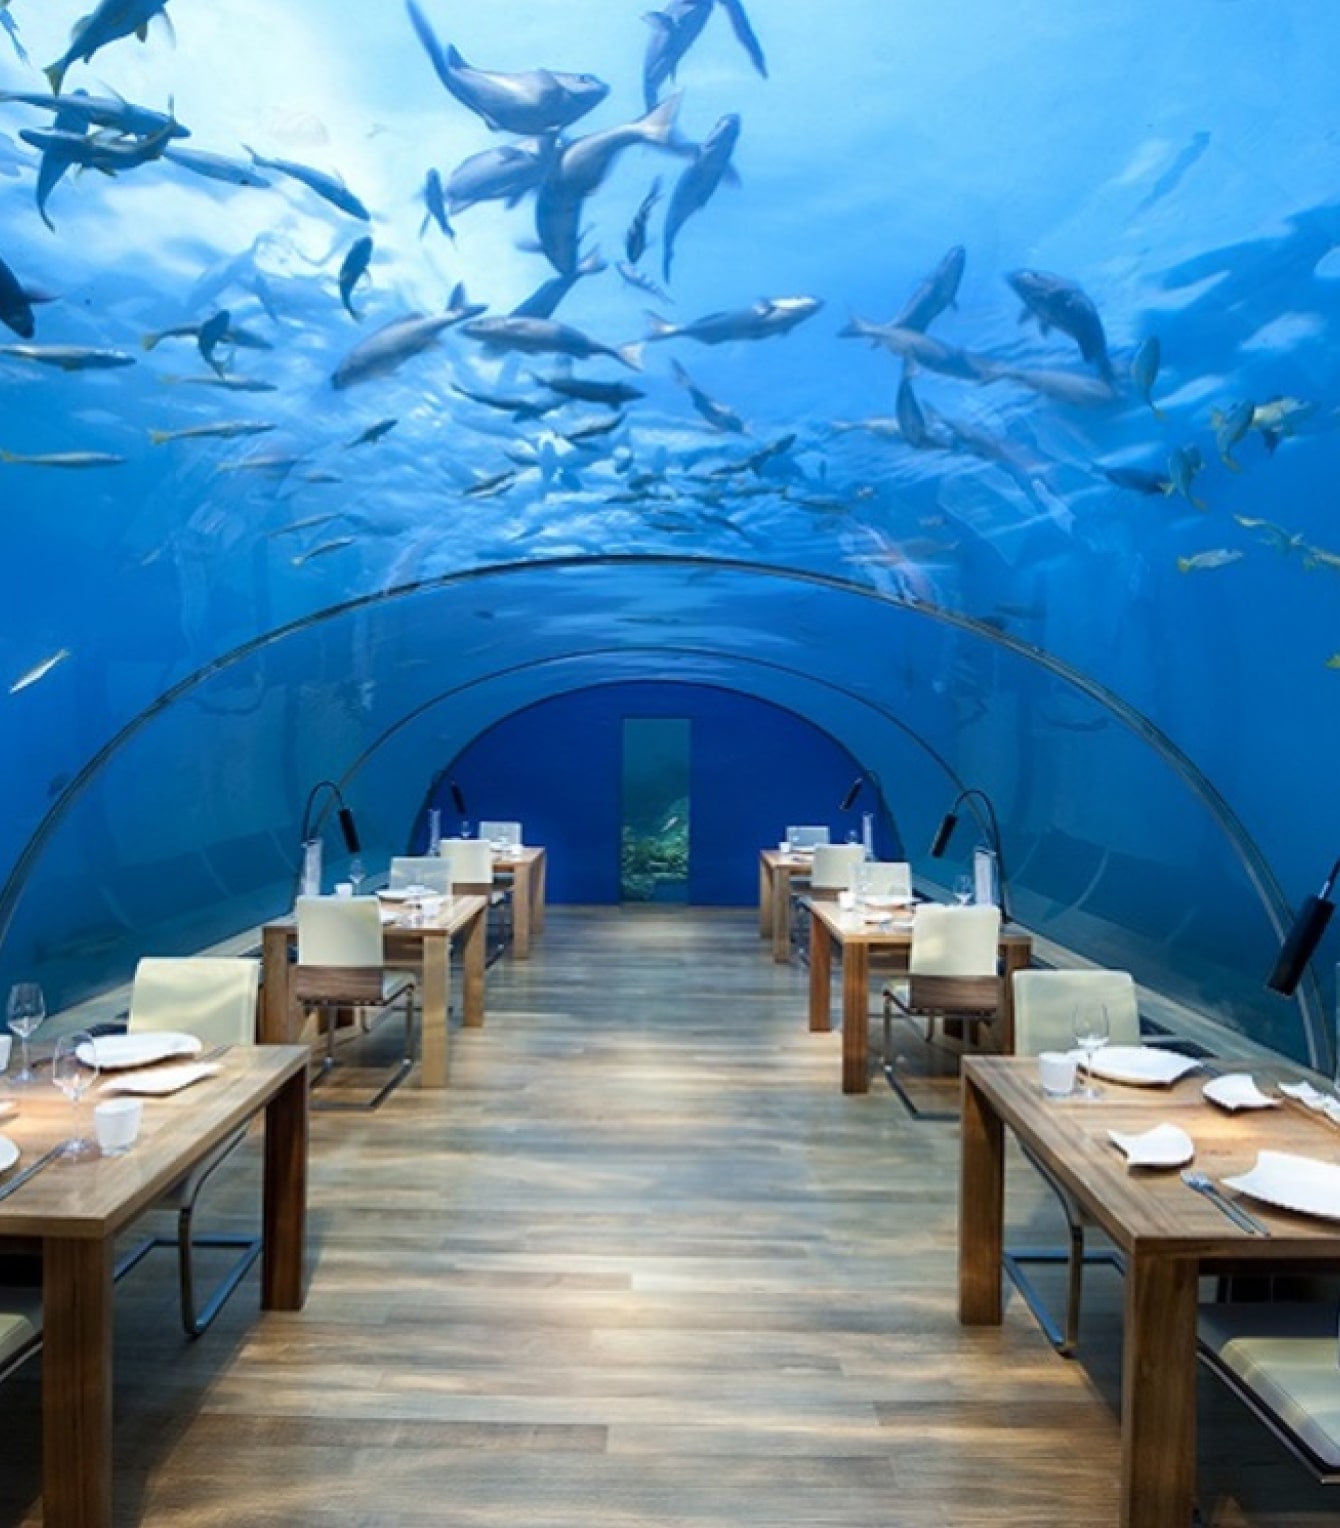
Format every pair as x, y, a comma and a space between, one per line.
435, 205
545, 336
718, 415
394, 343
233, 172
699, 181
110, 21
578, 169
12, 27
768, 316
674, 30
101, 111
16, 307
352, 270
938, 292
635, 240
330, 187
534, 101
1059, 304
69, 357
70, 461
503, 174
1230, 426
544, 300
94, 151
744, 33
924, 351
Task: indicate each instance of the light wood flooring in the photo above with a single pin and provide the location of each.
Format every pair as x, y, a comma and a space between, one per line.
643, 1264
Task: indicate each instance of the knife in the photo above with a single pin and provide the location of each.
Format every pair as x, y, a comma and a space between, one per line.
1207, 1186
36, 1167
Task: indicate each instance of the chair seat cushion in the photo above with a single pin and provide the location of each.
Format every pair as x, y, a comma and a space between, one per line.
350, 986
1286, 1355
18, 1333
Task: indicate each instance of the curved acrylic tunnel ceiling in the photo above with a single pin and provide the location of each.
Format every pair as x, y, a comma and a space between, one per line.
1108, 830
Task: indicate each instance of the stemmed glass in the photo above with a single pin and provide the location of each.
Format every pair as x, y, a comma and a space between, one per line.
74, 1076
1092, 1031
357, 872
963, 890
27, 1009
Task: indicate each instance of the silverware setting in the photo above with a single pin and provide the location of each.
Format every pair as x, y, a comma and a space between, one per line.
1203, 1184
19, 1179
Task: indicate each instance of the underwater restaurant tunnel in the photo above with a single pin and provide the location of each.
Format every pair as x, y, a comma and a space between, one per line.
1118, 848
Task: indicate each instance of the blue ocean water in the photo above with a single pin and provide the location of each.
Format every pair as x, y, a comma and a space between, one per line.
1104, 589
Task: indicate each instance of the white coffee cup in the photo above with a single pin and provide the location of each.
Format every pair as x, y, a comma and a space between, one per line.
1056, 1073
846, 901
116, 1123
344, 888
6, 1045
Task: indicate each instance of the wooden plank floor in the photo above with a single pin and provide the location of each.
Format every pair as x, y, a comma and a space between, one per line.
644, 1265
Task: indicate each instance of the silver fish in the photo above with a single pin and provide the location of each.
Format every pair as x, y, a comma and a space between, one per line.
541, 336
769, 316
635, 239
109, 22
69, 357
39, 671
1183, 464
324, 550
543, 301
435, 205
695, 187
329, 187
372, 434
915, 346
232, 429
101, 111
674, 30
1230, 426
716, 414
96, 151
744, 33
1057, 303
75, 461
352, 270
394, 343
1217, 557
1145, 370
504, 174
233, 172
535, 101
938, 292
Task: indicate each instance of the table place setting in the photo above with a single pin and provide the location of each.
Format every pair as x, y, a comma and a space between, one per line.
1325, 1105
160, 1081
1160, 1146
1238, 1090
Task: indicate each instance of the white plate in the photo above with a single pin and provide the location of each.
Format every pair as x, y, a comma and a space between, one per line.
399, 893
1292, 1183
9, 1153
886, 901
1141, 1065
163, 1079
1163, 1146
116, 1051
8, 1107
1238, 1090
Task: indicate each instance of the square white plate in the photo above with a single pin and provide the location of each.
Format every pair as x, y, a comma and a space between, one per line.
9, 1153
1163, 1146
1292, 1183
113, 1052
1143, 1066
1237, 1090
163, 1079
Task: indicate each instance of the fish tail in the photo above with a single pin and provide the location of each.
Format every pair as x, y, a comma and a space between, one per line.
7, 456
55, 74
158, 437
1272, 439
1184, 565
631, 355
1229, 462
658, 124
660, 328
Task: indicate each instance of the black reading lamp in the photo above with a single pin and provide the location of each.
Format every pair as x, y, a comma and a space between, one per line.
950, 821
854, 789
348, 828
1303, 938
458, 799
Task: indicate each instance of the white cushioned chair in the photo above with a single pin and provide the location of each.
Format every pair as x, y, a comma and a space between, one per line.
341, 967
952, 974
806, 835
885, 878
1044, 1019
506, 834
429, 870
214, 998
471, 862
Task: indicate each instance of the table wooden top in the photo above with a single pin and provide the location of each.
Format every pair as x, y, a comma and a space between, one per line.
890, 929
1143, 1206
458, 909
91, 1200
517, 856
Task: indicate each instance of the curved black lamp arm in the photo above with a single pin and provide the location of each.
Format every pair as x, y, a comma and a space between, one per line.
347, 826
868, 776
992, 827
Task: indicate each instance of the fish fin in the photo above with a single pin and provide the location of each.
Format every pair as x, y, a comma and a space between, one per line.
1272, 439
423, 227
142, 31
592, 265
659, 123
661, 328
167, 25
631, 355
55, 74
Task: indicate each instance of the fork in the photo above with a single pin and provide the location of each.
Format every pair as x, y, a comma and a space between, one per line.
1203, 1184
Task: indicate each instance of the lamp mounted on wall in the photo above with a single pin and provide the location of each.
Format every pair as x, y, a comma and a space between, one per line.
985, 813
458, 799
1302, 939
311, 843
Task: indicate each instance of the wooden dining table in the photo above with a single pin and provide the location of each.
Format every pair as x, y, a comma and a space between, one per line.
777, 874
527, 867
76, 1210
857, 939
1168, 1234
427, 944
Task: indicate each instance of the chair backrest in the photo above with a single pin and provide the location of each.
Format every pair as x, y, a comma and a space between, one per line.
1044, 1007
420, 870
212, 996
339, 931
508, 833
954, 941
802, 837
835, 866
471, 860
886, 878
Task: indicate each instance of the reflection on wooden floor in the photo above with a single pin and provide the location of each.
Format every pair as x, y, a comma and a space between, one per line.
643, 1264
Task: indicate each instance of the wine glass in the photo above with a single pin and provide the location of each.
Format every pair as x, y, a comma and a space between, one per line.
27, 1009
963, 889
1092, 1031
74, 1076
357, 872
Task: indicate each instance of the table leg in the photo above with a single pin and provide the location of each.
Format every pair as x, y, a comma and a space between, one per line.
855, 1018
434, 1035
781, 915
472, 972
541, 893
77, 1383
1158, 1393
522, 907
276, 1016
284, 1248
821, 976
764, 898
981, 1209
